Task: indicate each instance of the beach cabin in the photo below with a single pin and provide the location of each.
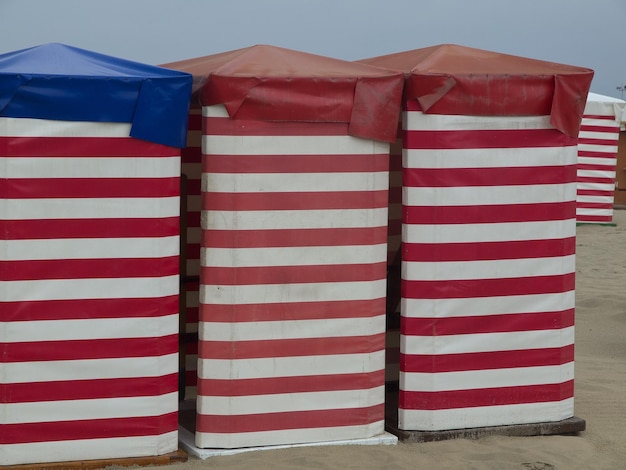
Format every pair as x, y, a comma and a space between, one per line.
89, 267
293, 245
598, 143
488, 238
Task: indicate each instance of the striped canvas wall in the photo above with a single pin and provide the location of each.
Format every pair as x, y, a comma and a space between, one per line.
192, 169
293, 277
488, 272
597, 159
88, 292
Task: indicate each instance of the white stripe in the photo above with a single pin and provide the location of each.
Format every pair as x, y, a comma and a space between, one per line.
305, 366
510, 304
194, 138
288, 219
488, 269
487, 342
90, 248
470, 233
486, 195
597, 148
294, 182
192, 170
279, 293
96, 328
102, 408
586, 121
597, 186
489, 158
395, 179
92, 167
88, 208
191, 362
293, 256
291, 402
482, 416
67, 289
88, 449
290, 145
490, 378
597, 173
608, 162
288, 436
421, 121
608, 136
194, 235
292, 329
26, 127
194, 203
89, 369
595, 199
217, 110
192, 267
591, 211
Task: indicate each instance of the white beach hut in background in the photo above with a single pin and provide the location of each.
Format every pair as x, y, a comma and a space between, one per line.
90, 165
597, 158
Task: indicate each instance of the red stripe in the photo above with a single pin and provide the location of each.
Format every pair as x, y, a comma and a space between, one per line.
392, 355
88, 268
90, 228
261, 201
598, 180
293, 237
601, 167
234, 424
595, 218
90, 389
504, 176
243, 127
589, 128
28, 188
291, 347
84, 147
487, 323
438, 363
256, 275
68, 350
273, 385
594, 192
516, 249
191, 155
395, 195
500, 213
88, 429
195, 121
444, 400
488, 138
472, 288
323, 163
193, 251
292, 311
191, 378
194, 187
586, 141
599, 116
595, 205
89, 308
596, 154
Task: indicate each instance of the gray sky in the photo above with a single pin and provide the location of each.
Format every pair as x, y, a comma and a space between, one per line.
587, 33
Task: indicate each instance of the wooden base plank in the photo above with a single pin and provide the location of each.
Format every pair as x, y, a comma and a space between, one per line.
178, 456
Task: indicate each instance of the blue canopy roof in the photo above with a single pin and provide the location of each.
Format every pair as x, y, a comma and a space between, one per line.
60, 82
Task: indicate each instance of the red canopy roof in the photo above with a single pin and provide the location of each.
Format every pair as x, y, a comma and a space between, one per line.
451, 79
275, 84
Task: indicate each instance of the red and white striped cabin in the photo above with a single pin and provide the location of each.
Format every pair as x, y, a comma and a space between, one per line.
488, 238
597, 158
293, 259
89, 255
89, 292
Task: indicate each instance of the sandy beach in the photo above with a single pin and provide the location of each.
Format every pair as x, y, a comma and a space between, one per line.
600, 393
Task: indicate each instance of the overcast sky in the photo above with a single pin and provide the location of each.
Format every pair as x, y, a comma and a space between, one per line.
587, 33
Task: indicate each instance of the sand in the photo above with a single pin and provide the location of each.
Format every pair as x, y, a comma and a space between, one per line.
600, 393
